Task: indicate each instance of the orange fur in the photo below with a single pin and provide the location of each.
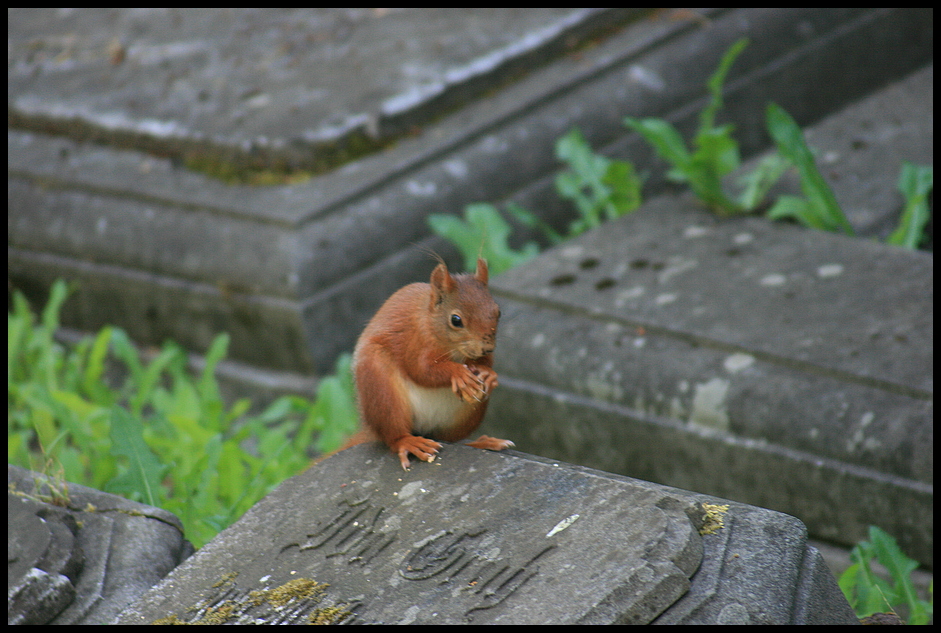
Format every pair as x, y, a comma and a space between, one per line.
424, 365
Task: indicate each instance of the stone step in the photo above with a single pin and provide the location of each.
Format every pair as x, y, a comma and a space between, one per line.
763, 362
292, 271
290, 88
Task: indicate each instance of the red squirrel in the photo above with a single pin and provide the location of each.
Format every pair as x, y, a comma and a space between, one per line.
424, 365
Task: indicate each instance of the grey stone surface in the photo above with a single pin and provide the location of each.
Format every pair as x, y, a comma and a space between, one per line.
292, 272
86, 556
502, 538
763, 362
759, 569
43, 562
837, 419
271, 85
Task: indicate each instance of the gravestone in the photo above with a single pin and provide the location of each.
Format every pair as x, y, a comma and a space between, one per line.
292, 271
78, 555
763, 362
494, 538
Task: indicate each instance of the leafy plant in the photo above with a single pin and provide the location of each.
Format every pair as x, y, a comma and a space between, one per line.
715, 152
818, 208
333, 414
158, 435
915, 183
482, 233
756, 183
868, 593
604, 189
601, 188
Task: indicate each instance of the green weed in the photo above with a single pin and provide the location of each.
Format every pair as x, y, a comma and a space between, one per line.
482, 233
868, 593
818, 208
601, 188
158, 435
714, 154
915, 183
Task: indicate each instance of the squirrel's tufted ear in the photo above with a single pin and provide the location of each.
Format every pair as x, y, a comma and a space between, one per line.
482, 274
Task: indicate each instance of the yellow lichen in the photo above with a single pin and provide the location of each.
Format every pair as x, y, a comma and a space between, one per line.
291, 594
713, 521
297, 589
328, 615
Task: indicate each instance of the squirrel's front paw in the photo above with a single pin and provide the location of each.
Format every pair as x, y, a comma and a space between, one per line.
469, 386
486, 376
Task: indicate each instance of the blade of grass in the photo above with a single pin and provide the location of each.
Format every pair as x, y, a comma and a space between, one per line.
900, 567
144, 473
19, 332
50, 314
146, 379
822, 203
715, 83
915, 182
667, 142
94, 369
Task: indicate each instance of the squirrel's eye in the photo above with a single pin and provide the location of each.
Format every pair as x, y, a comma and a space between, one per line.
456, 320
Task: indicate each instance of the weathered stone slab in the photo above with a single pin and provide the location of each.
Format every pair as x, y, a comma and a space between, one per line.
80, 556
502, 538
771, 359
474, 537
763, 362
271, 86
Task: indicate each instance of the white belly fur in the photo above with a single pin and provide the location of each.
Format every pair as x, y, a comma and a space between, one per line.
433, 409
